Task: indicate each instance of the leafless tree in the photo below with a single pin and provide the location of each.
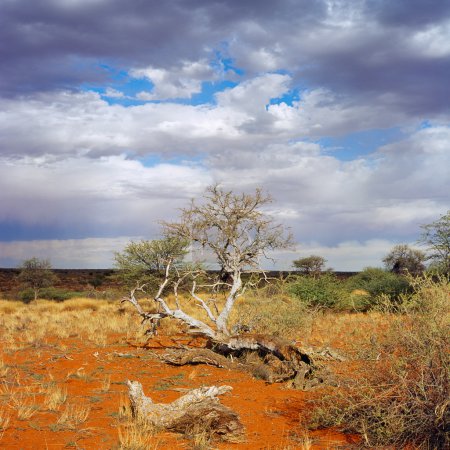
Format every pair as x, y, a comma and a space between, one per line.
235, 230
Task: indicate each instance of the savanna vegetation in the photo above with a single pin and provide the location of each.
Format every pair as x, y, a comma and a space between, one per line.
314, 360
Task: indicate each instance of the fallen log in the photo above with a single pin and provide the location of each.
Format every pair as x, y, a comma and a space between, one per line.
266, 357
198, 410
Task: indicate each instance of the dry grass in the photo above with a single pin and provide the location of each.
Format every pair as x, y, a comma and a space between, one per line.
137, 436
403, 397
73, 415
55, 397
134, 433
95, 320
24, 405
4, 419
105, 384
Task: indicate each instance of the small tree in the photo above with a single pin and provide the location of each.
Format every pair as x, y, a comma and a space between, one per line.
436, 237
310, 265
403, 259
146, 261
36, 274
235, 231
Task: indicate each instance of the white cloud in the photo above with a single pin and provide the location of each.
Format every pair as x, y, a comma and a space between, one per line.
94, 253
108, 196
177, 82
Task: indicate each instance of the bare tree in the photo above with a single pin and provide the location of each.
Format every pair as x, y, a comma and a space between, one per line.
237, 233
233, 229
37, 274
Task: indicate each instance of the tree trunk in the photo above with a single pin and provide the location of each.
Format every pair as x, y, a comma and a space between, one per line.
267, 357
199, 411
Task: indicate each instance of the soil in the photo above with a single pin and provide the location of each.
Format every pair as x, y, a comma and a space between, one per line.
270, 413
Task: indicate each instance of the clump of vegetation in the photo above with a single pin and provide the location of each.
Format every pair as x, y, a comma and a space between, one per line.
36, 274
377, 283
403, 259
404, 399
310, 265
50, 293
325, 291
436, 237
270, 309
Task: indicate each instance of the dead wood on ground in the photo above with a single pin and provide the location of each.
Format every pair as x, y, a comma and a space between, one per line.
198, 410
266, 357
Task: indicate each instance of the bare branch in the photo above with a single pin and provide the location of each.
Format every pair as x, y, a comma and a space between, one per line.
202, 303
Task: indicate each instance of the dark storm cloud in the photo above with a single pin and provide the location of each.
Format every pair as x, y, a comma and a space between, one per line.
367, 49
52, 44
409, 12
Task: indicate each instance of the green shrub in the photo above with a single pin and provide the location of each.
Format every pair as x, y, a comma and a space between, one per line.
377, 282
325, 291
27, 295
58, 294
402, 398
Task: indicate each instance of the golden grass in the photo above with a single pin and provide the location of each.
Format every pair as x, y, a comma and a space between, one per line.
73, 415
24, 405
55, 397
134, 433
137, 436
105, 384
4, 419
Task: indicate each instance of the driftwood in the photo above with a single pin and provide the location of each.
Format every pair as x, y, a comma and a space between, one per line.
267, 357
197, 411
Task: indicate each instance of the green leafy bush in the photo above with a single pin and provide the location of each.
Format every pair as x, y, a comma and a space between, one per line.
26, 295
377, 282
59, 295
325, 291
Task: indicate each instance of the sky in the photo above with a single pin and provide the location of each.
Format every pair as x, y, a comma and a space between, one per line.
114, 114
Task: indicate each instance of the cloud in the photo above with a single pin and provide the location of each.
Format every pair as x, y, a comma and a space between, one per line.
372, 52
76, 164
176, 82
95, 253
81, 197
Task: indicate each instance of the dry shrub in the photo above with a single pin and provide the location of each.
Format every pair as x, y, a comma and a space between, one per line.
405, 398
268, 312
81, 304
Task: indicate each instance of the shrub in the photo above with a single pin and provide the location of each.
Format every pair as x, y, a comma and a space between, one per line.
269, 310
59, 295
377, 282
403, 398
27, 295
325, 291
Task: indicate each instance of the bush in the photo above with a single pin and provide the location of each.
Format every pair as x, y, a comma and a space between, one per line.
59, 295
325, 291
403, 398
377, 282
269, 310
27, 295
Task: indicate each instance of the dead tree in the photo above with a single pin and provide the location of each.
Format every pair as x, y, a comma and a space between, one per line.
236, 232
199, 409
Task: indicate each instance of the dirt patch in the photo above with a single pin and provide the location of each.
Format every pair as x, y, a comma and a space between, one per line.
94, 378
